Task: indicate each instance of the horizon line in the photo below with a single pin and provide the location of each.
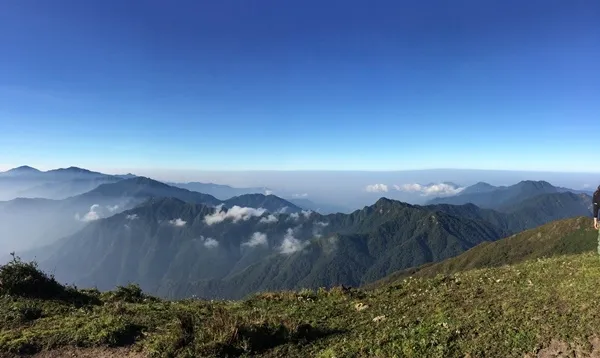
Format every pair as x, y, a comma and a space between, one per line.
118, 171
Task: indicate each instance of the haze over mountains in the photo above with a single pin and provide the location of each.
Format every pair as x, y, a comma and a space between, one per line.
26, 222
177, 242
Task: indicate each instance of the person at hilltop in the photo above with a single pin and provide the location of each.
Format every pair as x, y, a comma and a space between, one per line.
596, 207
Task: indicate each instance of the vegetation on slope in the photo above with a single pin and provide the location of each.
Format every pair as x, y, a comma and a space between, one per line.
569, 236
507, 311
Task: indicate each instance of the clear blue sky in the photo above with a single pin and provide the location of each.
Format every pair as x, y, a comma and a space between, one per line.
273, 84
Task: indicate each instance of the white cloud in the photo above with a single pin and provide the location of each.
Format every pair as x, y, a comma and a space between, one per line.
296, 216
268, 192
236, 213
258, 238
282, 210
318, 228
303, 195
177, 222
290, 244
268, 219
112, 209
377, 188
91, 215
440, 189
132, 217
330, 244
211, 243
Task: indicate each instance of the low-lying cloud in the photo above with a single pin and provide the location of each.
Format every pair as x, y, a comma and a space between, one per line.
330, 244
93, 214
177, 222
211, 243
97, 212
377, 188
290, 244
236, 213
257, 239
441, 189
303, 195
268, 219
296, 216
318, 228
132, 217
208, 242
112, 209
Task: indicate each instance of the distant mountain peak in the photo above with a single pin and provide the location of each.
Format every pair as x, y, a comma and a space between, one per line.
23, 169
71, 169
535, 184
145, 181
386, 202
76, 171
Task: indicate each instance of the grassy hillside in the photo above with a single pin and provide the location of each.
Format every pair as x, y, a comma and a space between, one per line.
534, 308
569, 236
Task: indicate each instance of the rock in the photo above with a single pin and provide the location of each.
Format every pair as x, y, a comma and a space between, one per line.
379, 319
360, 306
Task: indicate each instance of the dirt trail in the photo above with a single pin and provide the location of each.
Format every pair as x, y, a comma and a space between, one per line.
71, 352
561, 349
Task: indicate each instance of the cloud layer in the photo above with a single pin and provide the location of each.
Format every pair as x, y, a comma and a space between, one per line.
440, 189
377, 188
257, 239
236, 213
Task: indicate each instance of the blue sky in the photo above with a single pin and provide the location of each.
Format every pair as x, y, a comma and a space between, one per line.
346, 85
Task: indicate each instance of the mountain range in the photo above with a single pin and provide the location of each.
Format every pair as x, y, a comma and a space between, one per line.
25, 223
176, 249
177, 242
28, 182
502, 198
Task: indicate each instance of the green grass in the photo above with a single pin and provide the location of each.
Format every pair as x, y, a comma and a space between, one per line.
496, 312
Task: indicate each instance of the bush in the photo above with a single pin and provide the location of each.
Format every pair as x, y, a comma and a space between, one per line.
131, 293
25, 279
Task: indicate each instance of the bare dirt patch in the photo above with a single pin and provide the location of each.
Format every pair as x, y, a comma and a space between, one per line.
561, 349
72, 352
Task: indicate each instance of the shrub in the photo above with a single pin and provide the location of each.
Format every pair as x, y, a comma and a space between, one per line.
25, 279
131, 293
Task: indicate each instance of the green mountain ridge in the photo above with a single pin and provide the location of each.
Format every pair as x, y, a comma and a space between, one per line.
298, 250
562, 237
